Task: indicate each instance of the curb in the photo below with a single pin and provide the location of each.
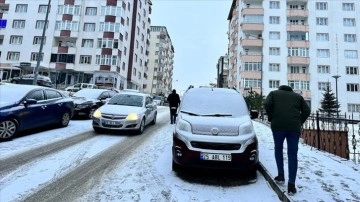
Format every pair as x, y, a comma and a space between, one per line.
281, 194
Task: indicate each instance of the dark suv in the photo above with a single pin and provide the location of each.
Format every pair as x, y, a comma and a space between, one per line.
29, 78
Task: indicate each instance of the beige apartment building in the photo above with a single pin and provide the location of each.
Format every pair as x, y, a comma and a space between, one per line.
105, 42
161, 60
307, 44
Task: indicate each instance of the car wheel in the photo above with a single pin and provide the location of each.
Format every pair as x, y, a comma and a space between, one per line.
14, 81
176, 167
8, 129
91, 112
65, 119
153, 122
142, 127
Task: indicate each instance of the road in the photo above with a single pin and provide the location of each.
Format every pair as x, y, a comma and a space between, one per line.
79, 168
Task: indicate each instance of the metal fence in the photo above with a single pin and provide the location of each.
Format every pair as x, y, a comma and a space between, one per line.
337, 135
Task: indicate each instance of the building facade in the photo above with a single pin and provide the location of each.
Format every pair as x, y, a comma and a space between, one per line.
161, 60
105, 42
306, 44
222, 69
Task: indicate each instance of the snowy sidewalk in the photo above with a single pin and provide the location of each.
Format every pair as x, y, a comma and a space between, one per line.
321, 176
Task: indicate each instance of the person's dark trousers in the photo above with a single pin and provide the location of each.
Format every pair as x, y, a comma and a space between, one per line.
292, 139
173, 115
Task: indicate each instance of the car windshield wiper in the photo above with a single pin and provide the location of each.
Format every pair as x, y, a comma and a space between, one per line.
190, 113
217, 115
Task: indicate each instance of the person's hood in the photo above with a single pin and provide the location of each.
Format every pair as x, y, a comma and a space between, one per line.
285, 88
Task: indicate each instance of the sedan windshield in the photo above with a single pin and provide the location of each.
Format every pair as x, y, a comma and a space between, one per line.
9, 95
127, 100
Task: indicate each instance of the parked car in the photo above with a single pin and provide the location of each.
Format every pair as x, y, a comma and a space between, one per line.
87, 100
79, 86
214, 130
24, 107
29, 78
159, 100
126, 111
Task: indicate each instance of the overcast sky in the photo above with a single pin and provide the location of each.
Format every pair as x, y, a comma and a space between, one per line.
197, 29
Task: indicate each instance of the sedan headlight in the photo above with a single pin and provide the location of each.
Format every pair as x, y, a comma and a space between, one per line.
246, 128
132, 117
97, 114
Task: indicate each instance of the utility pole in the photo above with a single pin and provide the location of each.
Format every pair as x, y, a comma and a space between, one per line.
41, 44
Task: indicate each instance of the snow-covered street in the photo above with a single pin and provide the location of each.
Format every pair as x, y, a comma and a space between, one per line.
146, 174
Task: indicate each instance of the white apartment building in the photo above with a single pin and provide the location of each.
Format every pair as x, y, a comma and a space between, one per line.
307, 44
105, 42
161, 60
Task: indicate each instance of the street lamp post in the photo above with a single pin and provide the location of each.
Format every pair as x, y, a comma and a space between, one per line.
41, 44
336, 89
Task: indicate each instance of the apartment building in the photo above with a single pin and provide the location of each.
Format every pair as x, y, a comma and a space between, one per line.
105, 42
222, 71
161, 60
307, 44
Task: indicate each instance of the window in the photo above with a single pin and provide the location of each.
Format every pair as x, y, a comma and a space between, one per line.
348, 6
127, 21
321, 6
90, 11
352, 87
137, 44
40, 24
322, 21
106, 60
123, 66
323, 69
85, 59
322, 36
274, 67
16, 39
297, 69
13, 56
21, 8
274, 35
352, 70
108, 43
299, 85
274, 51
274, 83
249, 82
34, 56
349, 22
87, 43
64, 58
37, 40
67, 25
37, 95
109, 27
298, 51
111, 10
136, 57
351, 54
274, 4
89, 27
353, 107
274, 20
42, 8
126, 36
134, 72
350, 38
69, 9
51, 94
139, 17
252, 66
18, 24
323, 53
323, 86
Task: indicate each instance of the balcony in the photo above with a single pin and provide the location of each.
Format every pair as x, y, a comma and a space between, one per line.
300, 44
251, 42
302, 77
297, 13
299, 28
252, 11
298, 60
252, 26
251, 58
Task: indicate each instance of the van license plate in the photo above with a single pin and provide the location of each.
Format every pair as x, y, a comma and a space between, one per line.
215, 157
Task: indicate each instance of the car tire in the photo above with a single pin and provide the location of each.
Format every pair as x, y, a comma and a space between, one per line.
141, 127
8, 129
14, 81
65, 119
153, 122
91, 112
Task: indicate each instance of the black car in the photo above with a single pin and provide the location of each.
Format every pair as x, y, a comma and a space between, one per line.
29, 78
24, 107
88, 100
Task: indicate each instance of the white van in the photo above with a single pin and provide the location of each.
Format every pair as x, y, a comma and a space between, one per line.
79, 86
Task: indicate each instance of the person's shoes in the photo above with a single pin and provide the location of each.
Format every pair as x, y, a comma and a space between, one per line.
291, 189
280, 179
171, 123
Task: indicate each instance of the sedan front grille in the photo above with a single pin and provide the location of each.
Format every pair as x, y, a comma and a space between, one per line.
215, 146
113, 116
